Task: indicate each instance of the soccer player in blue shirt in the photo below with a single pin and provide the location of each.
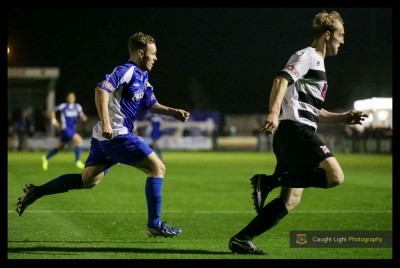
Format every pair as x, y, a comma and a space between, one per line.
70, 112
156, 131
118, 97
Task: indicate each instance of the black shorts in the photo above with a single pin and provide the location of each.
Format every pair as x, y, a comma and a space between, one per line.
297, 147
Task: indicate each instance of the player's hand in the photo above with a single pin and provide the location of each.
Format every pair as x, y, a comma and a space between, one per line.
354, 117
55, 123
181, 115
270, 124
107, 132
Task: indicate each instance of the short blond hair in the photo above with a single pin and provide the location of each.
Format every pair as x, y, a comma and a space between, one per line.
325, 21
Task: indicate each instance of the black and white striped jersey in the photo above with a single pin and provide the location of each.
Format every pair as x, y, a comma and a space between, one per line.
305, 72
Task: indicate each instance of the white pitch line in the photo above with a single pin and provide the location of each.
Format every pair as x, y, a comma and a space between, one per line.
201, 211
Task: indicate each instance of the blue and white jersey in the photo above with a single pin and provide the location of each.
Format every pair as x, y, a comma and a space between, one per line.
130, 91
155, 120
307, 87
69, 114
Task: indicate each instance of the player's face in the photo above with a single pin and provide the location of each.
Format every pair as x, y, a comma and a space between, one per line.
71, 98
149, 57
336, 39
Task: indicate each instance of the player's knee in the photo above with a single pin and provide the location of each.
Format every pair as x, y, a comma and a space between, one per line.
90, 182
159, 170
336, 178
293, 201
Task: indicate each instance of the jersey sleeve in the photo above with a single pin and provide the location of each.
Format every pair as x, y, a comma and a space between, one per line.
116, 78
149, 99
79, 109
60, 107
297, 66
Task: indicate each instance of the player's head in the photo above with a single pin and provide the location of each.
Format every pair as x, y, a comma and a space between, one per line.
71, 97
329, 26
143, 50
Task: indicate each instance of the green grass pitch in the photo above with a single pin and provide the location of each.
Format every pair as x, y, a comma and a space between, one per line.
207, 194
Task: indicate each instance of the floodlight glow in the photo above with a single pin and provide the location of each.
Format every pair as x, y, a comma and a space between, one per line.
382, 115
373, 104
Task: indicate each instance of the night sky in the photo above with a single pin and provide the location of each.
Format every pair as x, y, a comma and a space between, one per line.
209, 59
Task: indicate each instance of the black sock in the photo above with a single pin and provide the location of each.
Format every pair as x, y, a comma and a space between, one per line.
313, 178
270, 215
61, 184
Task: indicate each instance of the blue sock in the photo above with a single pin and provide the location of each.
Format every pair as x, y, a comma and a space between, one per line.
154, 200
51, 153
61, 184
78, 151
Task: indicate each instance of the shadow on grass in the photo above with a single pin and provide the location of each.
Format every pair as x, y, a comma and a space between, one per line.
112, 249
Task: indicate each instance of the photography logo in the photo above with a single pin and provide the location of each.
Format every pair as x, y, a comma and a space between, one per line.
301, 239
341, 239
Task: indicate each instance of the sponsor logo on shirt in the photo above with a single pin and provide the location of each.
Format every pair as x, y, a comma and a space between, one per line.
292, 70
138, 95
107, 85
324, 149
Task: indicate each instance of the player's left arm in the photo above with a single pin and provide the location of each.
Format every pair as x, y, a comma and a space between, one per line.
81, 114
352, 117
83, 117
178, 114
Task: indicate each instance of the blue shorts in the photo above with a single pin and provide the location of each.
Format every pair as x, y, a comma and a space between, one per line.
67, 134
126, 149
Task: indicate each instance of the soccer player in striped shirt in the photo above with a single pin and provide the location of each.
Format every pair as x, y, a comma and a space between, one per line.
118, 98
295, 108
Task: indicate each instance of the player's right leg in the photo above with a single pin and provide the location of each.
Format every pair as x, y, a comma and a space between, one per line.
133, 151
309, 163
291, 197
269, 216
51, 154
333, 171
155, 170
77, 142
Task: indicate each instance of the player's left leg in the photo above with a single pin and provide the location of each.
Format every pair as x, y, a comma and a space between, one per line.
309, 163
77, 142
97, 166
61, 184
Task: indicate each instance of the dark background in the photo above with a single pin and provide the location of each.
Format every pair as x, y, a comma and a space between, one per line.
209, 59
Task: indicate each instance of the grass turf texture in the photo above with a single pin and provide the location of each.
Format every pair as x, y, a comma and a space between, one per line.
207, 194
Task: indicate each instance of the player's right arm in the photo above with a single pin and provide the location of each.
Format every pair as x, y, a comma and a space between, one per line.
54, 121
101, 99
278, 92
